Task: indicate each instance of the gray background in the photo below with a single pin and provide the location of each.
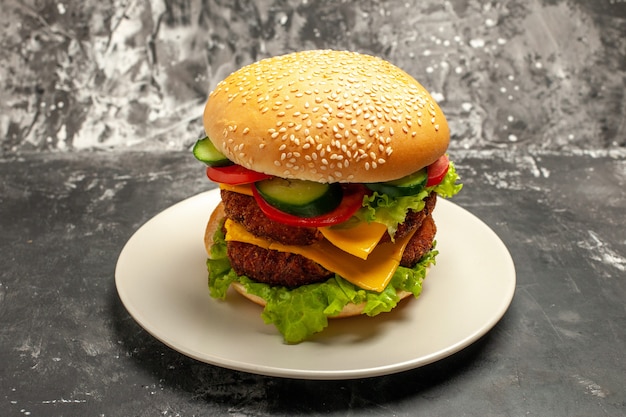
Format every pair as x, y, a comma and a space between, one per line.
135, 74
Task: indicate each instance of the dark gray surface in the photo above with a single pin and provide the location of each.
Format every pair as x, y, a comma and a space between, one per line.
68, 346
535, 97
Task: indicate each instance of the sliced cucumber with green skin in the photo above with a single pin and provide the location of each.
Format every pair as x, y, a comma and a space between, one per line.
205, 151
409, 185
299, 197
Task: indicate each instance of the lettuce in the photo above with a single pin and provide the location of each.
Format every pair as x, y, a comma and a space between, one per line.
448, 187
300, 312
392, 211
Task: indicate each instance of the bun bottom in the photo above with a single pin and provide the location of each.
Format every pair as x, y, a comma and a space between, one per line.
349, 310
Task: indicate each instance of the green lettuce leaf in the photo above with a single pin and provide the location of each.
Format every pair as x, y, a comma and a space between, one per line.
392, 211
301, 312
450, 185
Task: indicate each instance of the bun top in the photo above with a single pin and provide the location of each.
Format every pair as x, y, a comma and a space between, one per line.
326, 116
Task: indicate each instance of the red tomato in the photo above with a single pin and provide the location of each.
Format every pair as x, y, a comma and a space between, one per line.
234, 175
437, 170
350, 203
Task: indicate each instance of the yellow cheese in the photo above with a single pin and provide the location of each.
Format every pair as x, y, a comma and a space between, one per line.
373, 273
241, 189
359, 240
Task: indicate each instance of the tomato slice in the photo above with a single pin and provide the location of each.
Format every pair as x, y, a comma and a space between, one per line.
437, 170
350, 203
235, 175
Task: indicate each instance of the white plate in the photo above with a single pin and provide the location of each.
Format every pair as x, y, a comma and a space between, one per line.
162, 280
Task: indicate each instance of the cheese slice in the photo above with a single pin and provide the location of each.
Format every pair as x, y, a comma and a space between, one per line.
358, 240
373, 273
241, 189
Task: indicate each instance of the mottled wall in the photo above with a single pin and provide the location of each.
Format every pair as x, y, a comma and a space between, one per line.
134, 74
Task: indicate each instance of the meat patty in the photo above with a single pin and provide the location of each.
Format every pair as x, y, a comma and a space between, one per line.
274, 267
244, 210
420, 243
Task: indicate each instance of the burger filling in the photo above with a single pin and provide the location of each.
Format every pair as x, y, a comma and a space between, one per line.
279, 262
291, 270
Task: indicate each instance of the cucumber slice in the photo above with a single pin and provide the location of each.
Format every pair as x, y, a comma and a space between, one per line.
409, 185
299, 197
205, 151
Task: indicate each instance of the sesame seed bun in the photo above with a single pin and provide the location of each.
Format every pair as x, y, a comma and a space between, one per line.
326, 116
212, 225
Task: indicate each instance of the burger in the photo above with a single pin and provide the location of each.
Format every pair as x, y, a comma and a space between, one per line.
329, 165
